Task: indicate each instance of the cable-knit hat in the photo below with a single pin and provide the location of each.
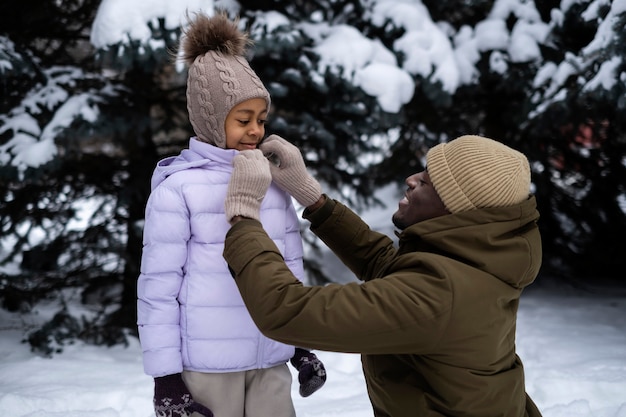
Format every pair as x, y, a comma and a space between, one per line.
219, 75
473, 172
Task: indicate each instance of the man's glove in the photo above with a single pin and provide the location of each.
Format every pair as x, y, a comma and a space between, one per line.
289, 171
173, 399
311, 371
248, 184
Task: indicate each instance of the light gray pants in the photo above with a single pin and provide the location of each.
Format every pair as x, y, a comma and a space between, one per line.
255, 393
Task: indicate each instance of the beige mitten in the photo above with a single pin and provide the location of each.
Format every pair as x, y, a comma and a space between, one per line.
248, 184
289, 172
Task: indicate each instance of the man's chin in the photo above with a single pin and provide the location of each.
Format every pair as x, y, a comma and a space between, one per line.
395, 219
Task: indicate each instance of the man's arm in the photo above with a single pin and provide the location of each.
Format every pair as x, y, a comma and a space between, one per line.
343, 318
354, 318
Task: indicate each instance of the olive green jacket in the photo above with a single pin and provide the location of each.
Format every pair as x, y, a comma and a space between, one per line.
435, 318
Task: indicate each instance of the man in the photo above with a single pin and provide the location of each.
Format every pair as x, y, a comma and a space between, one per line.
435, 317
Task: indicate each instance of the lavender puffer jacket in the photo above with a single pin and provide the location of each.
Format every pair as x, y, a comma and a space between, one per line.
190, 313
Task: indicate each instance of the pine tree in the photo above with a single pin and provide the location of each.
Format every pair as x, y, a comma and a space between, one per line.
82, 125
71, 138
576, 136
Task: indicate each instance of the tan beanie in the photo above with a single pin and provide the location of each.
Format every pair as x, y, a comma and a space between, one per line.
219, 75
473, 172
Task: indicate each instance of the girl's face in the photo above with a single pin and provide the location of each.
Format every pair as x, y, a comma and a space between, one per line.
245, 124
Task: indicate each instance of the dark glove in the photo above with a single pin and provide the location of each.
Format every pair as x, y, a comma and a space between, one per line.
173, 399
311, 371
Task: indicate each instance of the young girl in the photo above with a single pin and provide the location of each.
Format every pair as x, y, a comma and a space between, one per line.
198, 340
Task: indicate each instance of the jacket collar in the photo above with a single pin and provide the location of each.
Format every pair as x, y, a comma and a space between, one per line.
502, 241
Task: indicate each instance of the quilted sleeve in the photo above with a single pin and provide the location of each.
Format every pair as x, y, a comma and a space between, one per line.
166, 234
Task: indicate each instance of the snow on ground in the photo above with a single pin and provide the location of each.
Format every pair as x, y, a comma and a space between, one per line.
572, 342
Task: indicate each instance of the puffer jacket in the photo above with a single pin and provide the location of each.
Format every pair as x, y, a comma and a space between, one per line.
190, 313
435, 318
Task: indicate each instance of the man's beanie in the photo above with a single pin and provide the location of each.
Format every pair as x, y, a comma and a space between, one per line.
219, 75
473, 172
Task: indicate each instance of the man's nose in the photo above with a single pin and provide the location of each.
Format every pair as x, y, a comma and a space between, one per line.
411, 180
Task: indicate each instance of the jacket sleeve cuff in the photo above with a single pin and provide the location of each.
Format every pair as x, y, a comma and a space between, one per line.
321, 214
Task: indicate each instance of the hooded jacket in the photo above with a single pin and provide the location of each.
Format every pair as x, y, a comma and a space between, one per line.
190, 313
434, 319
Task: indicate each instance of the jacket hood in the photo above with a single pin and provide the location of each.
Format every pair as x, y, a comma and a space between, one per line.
199, 154
504, 242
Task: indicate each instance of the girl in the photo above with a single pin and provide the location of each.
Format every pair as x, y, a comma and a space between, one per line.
198, 340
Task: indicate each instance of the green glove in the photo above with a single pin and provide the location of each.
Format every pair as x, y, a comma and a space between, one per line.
289, 171
248, 184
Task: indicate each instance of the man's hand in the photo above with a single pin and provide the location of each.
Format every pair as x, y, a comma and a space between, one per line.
248, 184
289, 171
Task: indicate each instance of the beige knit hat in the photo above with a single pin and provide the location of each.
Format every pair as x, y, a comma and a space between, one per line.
219, 75
473, 172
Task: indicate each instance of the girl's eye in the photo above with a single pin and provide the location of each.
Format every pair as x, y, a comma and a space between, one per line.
243, 122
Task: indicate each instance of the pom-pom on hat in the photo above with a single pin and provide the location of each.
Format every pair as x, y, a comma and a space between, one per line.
219, 75
473, 172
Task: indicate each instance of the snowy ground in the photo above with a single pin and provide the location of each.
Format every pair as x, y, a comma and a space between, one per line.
572, 343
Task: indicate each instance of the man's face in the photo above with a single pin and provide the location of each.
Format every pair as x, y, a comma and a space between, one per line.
421, 202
